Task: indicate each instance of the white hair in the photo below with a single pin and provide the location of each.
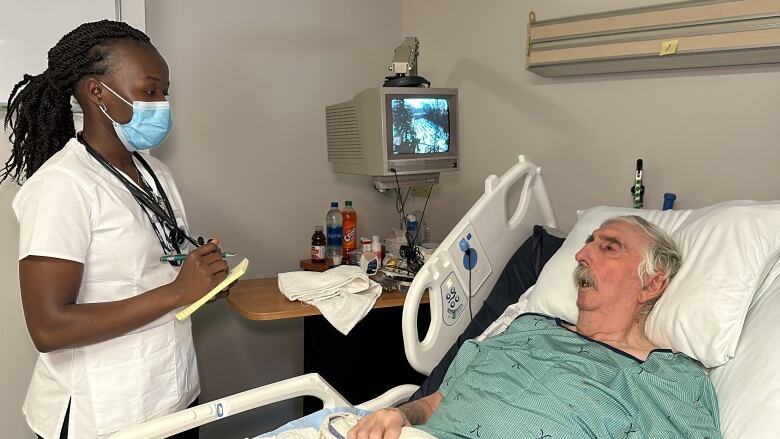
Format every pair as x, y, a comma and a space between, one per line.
662, 255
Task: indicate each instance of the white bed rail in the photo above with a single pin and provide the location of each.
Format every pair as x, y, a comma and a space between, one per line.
305, 385
394, 396
463, 263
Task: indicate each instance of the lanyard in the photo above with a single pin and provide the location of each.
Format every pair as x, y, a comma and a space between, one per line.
164, 213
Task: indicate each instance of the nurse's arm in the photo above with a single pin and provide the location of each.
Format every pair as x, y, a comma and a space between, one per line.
50, 287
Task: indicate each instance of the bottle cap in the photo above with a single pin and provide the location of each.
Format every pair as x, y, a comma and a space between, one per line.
317, 228
347, 203
334, 204
670, 196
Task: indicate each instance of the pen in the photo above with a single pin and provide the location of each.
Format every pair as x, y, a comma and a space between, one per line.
181, 257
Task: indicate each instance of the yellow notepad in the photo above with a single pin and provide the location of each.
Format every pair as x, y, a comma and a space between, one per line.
234, 274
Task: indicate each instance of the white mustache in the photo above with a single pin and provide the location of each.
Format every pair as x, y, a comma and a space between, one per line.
583, 278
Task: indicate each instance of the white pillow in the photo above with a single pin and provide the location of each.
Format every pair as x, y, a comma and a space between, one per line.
748, 387
727, 250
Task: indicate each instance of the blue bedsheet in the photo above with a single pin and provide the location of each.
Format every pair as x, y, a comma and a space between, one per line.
314, 420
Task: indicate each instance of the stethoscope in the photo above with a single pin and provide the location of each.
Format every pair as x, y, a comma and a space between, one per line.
162, 211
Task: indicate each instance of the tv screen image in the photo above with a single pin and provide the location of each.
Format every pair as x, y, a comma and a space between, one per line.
411, 132
420, 125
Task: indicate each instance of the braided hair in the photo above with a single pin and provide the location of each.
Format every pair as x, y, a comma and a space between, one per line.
39, 110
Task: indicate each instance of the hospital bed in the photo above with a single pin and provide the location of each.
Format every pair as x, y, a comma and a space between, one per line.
458, 277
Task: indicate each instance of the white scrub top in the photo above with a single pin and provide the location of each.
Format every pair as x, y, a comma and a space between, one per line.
72, 208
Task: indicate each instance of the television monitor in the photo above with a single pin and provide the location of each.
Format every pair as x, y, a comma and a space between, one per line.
389, 131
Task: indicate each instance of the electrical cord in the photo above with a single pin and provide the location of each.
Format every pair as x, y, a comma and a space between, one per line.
400, 202
399, 198
413, 257
422, 216
409, 252
471, 314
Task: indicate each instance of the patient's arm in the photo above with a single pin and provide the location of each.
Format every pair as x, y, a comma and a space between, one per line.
387, 423
419, 411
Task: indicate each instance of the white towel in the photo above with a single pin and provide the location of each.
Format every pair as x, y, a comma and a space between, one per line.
344, 294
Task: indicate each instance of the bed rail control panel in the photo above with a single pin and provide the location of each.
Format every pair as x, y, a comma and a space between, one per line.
471, 268
475, 267
454, 299
464, 268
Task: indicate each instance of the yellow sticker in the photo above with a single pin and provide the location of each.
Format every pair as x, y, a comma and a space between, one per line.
669, 47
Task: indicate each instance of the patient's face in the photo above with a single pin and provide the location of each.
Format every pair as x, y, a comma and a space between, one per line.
611, 257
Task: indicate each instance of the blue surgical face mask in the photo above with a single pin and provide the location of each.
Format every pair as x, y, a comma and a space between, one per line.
150, 124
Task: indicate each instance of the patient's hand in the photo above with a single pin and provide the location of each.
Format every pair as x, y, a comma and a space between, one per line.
383, 424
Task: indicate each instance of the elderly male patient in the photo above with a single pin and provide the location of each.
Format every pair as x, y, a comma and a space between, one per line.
599, 378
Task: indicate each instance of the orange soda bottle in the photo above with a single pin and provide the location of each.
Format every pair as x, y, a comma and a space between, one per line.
349, 225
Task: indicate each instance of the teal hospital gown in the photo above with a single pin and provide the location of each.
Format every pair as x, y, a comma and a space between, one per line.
539, 380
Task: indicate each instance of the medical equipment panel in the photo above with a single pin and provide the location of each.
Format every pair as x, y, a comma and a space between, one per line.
461, 264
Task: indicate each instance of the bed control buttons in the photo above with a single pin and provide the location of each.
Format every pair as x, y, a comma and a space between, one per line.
221, 408
452, 300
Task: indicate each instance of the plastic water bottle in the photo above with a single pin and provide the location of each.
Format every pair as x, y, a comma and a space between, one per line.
333, 234
412, 228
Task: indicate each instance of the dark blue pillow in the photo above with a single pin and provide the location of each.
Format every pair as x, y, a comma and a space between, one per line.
520, 273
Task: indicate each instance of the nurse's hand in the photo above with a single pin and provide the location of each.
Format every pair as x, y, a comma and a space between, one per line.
222, 294
203, 269
383, 424
226, 292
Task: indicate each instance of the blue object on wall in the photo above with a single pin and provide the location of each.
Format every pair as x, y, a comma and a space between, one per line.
669, 201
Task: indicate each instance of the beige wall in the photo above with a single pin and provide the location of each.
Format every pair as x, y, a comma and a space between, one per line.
250, 82
708, 135
18, 353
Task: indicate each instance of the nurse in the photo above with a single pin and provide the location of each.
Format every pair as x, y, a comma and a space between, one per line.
95, 217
